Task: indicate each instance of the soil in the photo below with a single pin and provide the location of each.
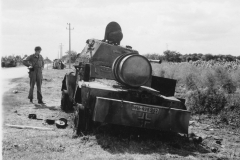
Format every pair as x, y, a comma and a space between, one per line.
219, 141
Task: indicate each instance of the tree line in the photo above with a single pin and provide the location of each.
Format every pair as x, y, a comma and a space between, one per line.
168, 55
73, 55
18, 59
174, 56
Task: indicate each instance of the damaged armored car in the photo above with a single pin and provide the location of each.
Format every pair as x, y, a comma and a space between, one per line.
114, 84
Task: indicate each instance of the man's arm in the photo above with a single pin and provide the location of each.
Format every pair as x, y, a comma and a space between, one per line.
42, 63
27, 61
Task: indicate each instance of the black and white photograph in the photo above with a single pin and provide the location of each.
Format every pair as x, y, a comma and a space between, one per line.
120, 79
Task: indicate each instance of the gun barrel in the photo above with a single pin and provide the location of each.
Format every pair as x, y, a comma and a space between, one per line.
155, 61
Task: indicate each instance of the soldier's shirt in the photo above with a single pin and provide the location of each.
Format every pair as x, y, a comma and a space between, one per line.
34, 61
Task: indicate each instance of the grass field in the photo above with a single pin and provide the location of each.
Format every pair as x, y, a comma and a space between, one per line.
208, 89
106, 142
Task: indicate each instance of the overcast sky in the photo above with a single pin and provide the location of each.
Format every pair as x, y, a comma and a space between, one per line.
149, 26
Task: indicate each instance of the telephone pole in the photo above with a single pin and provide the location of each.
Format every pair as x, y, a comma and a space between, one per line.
69, 28
60, 51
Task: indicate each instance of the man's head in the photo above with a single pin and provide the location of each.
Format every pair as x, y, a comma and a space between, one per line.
38, 50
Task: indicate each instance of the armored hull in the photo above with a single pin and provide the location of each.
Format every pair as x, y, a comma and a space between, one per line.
9, 63
57, 64
140, 107
114, 84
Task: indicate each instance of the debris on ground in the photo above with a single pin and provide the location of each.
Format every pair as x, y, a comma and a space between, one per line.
218, 142
32, 116
27, 127
48, 80
49, 121
15, 91
214, 149
61, 123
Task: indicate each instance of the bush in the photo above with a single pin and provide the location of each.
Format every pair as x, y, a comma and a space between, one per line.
190, 82
209, 100
231, 113
225, 81
204, 96
205, 87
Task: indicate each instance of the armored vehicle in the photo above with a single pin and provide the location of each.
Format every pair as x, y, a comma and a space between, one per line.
58, 64
9, 63
114, 84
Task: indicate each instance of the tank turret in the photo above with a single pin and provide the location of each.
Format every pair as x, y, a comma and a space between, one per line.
119, 63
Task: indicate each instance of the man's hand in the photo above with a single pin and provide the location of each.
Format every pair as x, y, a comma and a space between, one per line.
30, 68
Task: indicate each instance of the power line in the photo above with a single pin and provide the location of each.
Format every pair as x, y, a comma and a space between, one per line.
61, 50
69, 28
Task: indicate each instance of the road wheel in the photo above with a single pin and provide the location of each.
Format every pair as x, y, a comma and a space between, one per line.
66, 104
80, 119
64, 100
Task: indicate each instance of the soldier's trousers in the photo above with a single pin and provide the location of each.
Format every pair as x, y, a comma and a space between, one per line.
35, 77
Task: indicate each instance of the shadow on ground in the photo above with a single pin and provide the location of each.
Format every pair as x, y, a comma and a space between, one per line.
39, 106
120, 139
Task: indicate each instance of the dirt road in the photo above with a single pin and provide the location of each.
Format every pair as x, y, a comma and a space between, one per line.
7, 74
13, 72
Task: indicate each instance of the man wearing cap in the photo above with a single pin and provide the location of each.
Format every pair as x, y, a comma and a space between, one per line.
35, 65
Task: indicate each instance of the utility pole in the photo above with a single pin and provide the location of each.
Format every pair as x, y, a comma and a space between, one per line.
69, 28
61, 51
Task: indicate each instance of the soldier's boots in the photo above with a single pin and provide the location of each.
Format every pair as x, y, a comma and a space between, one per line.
41, 102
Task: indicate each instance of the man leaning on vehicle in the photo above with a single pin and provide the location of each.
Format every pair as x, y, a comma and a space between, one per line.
35, 65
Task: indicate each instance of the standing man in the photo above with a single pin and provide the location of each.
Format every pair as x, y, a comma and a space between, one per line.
35, 65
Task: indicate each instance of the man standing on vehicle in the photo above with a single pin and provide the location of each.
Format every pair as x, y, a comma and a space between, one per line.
35, 65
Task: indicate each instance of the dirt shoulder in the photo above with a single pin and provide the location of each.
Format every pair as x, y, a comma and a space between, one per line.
219, 142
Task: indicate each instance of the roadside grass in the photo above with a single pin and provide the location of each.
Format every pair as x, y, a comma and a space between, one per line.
208, 90
104, 142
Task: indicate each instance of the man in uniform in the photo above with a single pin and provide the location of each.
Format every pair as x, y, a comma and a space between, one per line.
35, 65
